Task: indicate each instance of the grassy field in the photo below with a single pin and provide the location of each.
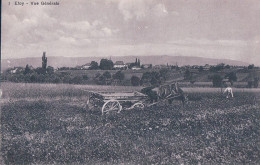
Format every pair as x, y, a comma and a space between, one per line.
53, 125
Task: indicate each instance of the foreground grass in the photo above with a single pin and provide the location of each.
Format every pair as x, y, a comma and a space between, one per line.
208, 130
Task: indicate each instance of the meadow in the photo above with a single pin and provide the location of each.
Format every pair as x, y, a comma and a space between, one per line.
51, 124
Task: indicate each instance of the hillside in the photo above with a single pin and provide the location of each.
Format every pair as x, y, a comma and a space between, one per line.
155, 60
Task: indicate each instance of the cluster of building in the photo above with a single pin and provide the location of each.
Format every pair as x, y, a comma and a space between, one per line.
121, 65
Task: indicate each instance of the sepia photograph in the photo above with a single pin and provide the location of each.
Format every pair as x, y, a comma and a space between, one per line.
130, 82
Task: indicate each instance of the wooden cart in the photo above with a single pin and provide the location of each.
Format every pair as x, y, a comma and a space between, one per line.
117, 101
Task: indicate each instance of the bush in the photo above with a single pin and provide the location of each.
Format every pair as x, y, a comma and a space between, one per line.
107, 75
232, 77
135, 81
256, 82
250, 84
85, 77
217, 80
119, 76
253, 83
154, 78
187, 75
251, 66
57, 80
93, 65
164, 73
76, 80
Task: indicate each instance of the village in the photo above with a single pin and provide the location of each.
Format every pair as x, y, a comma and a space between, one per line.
136, 73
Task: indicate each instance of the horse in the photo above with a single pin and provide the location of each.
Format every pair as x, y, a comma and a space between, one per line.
170, 92
183, 98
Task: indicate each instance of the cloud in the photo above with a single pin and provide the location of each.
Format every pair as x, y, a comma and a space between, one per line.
22, 27
86, 30
141, 9
107, 31
160, 10
81, 26
126, 27
207, 42
44, 31
69, 40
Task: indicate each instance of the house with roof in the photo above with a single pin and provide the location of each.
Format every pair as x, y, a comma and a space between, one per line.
206, 67
162, 66
120, 65
86, 66
146, 66
16, 70
136, 68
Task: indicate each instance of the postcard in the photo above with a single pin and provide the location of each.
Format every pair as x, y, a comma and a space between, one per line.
130, 82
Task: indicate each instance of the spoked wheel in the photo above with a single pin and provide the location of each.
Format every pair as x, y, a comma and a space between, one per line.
139, 106
111, 105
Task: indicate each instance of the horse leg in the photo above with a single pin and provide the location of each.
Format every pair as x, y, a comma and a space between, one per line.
183, 101
170, 101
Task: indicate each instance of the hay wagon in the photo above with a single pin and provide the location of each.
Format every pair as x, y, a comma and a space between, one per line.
117, 101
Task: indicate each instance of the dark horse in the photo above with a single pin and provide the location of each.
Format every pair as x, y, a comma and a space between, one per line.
168, 92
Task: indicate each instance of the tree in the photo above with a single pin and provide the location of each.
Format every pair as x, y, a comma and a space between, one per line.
251, 66
232, 77
56, 80
50, 70
201, 68
227, 66
154, 78
106, 64
220, 66
27, 69
44, 61
187, 75
163, 73
217, 80
76, 80
97, 75
217, 68
40, 70
154, 81
33, 78
85, 77
146, 78
93, 65
106, 77
101, 80
135, 81
256, 82
119, 76
250, 84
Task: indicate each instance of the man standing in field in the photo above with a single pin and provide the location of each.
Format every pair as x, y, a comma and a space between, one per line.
229, 92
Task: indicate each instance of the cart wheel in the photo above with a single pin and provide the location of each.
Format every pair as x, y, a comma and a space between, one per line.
111, 105
139, 106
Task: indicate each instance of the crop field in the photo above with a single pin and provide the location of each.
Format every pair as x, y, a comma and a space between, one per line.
51, 124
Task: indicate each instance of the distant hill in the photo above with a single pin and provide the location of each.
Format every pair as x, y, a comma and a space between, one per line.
155, 60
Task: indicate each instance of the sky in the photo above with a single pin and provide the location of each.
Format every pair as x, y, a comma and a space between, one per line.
227, 29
